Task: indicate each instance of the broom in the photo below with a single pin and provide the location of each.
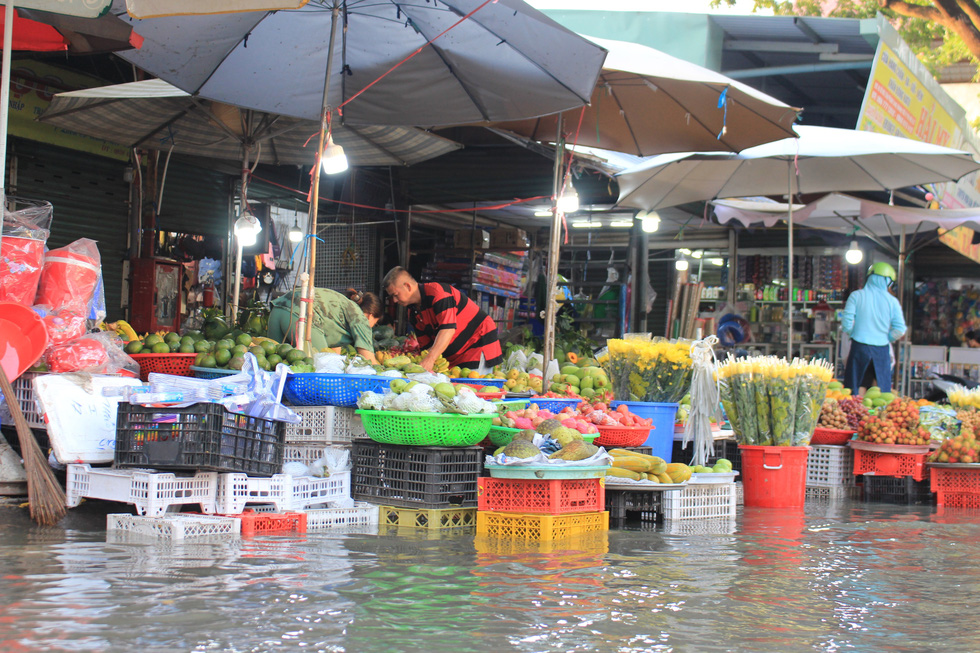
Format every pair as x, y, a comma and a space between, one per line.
44, 493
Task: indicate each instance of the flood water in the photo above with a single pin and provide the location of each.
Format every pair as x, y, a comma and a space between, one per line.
845, 576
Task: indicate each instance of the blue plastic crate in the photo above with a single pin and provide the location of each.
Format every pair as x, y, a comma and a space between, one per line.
212, 372
314, 389
497, 383
555, 405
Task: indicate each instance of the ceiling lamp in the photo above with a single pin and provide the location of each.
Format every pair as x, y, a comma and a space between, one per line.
247, 229
295, 233
854, 255
568, 201
333, 161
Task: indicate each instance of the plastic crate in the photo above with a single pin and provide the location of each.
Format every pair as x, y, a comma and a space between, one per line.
152, 493
432, 518
547, 471
958, 500
955, 487
539, 528
324, 424
622, 436
901, 490
323, 519
727, 449
304, 452
553, 497
200, 437
27, 399
645, 505
700, 502
285, 492
719, 526
415, 477
317, 389
496, 383
271, 523
571, 550
176, 527
830, 465
832, 492
425, 429
891, 464
176, 364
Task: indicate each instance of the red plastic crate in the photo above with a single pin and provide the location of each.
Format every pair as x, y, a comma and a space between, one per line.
956, 488
958, 500
266, 523
891, 464
544, 496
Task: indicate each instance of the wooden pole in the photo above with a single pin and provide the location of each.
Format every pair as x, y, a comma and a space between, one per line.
554, 250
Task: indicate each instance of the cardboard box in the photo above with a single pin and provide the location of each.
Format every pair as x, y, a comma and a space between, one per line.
508, 237
471, 239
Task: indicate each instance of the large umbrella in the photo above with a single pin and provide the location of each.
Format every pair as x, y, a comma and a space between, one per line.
647, 102
822, 159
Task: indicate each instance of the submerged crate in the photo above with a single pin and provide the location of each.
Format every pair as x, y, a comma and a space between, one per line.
283, 491
572, 551
415, 477
539, 528
550, 496
645, 505
426, 517
322, 519
719, 526
700, 501
175, 527
271, 523
901, 490
152, 493
326, 424
830, 465
202, 436
955, 487
832, 492
881, 463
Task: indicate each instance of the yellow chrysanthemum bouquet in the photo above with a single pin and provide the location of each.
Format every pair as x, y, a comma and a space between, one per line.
657, 370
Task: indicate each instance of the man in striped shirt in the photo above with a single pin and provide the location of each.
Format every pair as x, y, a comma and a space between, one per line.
447, 322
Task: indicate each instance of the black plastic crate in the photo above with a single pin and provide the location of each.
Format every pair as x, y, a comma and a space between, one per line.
644, 505
682, 455
415, 477
644, 450
903, 490
200, 437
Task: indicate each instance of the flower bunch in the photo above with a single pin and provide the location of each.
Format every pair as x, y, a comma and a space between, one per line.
773, 402
657, 370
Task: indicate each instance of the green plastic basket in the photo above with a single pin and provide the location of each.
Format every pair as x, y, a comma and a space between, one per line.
425, 429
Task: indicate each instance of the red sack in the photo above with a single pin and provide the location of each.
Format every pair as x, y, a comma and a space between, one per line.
70, 276
21, 260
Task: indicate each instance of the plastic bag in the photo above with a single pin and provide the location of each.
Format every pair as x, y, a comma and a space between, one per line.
70, 276
62, 325
97, 353
22, 250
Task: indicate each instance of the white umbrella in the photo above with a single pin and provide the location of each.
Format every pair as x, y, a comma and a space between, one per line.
822, 159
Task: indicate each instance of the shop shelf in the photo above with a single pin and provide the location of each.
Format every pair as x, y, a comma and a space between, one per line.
322, 519
327, 424
700, 502
830, 465
430, 518
152, 493
174, 527
553, 497
539, 528
415, 477
285, 492
901, 490
199, 437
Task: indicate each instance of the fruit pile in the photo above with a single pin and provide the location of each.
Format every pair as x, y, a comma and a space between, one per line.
532, 418
875, 398
962, 448
898, 423
560, 443
417, 397
642, 467
584, 379
855, 410
836, 390
409, 363
832, 416
225, 353
969, 419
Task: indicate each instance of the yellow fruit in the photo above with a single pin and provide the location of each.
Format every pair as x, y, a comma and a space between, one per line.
678, 472
632, 463
624, 473
664, 478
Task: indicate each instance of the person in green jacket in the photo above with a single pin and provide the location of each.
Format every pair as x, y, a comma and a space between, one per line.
338, 319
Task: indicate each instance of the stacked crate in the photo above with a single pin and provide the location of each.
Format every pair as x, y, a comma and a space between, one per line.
830, 473
892, 473
541, 509
417, 487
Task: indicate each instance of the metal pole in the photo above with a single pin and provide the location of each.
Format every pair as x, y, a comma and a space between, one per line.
8, 43
242, 210
732, 267
554, 243
789, 268
315, 190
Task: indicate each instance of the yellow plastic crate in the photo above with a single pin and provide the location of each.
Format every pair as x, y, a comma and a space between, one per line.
590, 544
540, 528
409, 534
427, 517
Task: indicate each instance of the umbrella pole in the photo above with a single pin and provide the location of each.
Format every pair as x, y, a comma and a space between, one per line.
789, 269
315, 190
554, 244
8, 43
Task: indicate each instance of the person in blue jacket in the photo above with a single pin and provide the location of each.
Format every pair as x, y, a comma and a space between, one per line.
873, 319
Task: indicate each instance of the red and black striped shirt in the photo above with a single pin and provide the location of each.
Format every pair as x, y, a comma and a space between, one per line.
444, 307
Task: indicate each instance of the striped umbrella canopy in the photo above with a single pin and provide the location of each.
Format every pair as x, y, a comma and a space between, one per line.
153, 114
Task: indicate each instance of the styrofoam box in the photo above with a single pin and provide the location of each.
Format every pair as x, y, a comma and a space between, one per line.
830, 466
362, 514
286, 492
151, 492
328, 424
700, 501
173, 527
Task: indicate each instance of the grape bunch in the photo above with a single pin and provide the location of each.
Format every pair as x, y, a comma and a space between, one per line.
832, 416
855, 411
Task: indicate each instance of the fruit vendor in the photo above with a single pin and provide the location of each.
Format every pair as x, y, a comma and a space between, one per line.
338, 319
873, 319
447, 322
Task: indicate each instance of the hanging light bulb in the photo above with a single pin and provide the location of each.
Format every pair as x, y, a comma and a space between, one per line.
649, 221
568, 201
295, 233
681, 264
333, 161
854, 255
247, 229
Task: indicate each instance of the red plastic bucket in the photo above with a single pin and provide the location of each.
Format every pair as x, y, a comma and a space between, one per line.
774, 477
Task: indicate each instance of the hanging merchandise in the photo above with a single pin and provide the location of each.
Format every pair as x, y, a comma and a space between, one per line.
70, 276
22, 250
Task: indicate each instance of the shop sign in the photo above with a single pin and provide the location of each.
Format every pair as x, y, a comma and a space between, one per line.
961, 240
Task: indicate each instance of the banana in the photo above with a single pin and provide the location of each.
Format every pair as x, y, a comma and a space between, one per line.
125, 331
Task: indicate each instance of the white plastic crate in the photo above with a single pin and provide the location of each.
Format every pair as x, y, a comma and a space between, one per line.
700, 502
830, 466
719, 526
310, 452
326, 424
286, 493
739, 494
832, 492
362, 514
175, 527
27, 398
152, 493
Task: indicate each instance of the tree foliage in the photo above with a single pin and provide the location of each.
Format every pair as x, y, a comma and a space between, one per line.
940, 32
